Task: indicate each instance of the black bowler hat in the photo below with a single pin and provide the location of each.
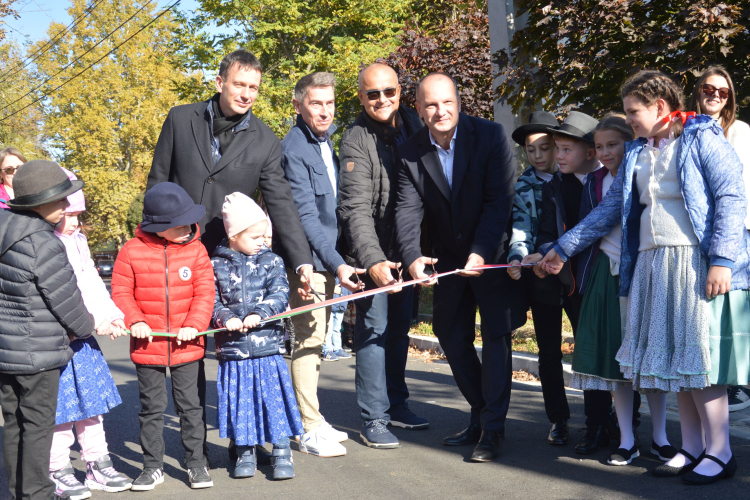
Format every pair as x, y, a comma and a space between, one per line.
167, 205
41, 181
539, 123
578, 125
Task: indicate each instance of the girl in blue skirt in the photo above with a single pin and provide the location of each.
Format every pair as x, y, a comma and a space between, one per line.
87, 389
256, 399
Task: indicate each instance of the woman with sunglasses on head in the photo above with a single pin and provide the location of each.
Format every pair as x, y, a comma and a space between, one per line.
10, 160
714, 95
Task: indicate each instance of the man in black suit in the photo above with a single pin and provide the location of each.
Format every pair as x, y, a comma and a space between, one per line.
217, 147
458, 172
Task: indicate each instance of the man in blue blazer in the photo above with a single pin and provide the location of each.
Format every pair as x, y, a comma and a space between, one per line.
311, 166
458, 174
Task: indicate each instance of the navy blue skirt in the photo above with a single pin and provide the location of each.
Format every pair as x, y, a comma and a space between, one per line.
256, 401
87, 388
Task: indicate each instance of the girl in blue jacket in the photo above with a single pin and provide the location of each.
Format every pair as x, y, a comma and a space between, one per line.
680, 198
256, 399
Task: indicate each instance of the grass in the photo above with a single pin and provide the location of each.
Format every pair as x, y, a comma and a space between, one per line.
524, 338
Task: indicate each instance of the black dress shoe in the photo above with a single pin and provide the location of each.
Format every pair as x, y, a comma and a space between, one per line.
488, 447
665, 470
727, 470
558, 434
596, 436
470, 435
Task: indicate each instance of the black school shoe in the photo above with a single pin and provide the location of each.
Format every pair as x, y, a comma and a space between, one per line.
664, 453
623, 456
727, 470
559, 433
199, 478
595, 439
149, 478
665, 470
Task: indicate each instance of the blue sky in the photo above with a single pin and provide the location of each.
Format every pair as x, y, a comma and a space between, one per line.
36, 15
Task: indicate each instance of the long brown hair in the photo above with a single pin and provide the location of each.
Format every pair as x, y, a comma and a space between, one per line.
728, 114
11, 152
649, 86
616, 122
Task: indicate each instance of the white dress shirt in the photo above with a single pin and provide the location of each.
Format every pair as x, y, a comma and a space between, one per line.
446, 156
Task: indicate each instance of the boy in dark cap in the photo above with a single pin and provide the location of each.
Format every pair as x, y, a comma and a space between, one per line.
163, 281
40, 307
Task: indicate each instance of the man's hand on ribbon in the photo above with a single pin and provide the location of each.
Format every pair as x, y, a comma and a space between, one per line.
344, 274
417, 270
307, 278
473, 261
382, 276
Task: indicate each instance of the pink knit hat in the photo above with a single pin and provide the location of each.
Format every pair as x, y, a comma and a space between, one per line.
76, 200
240, 212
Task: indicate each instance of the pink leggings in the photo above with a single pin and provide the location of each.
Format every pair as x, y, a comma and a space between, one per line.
90, 437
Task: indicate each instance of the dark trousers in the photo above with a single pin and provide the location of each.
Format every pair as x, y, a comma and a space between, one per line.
152, 384
29, 405
485, 385
381, 341
597, 405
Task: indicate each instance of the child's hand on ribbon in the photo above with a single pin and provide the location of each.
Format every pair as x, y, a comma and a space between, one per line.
104, 329
118, 329
187, 334
552, 263
251, 321
234, 325
514, 272
141, 331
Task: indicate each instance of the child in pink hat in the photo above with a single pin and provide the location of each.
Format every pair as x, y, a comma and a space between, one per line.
87, 389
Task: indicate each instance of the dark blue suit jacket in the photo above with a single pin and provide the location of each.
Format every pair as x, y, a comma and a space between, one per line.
313, 195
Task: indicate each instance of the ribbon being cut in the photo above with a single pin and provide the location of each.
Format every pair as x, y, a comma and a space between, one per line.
355, 296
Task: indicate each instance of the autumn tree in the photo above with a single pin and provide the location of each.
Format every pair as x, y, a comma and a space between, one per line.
291, 38
576, 53
453, 37
105, 122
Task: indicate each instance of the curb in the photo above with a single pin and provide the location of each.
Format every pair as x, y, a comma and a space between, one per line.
521, 360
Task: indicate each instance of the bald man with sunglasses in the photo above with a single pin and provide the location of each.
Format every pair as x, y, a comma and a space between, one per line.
366, 199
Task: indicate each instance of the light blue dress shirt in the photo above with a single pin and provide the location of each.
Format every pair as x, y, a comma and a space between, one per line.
446, 156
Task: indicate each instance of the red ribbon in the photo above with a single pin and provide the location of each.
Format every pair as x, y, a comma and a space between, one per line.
684, 116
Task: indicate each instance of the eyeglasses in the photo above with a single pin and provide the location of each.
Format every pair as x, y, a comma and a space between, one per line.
374, 95
10, 170
710, 90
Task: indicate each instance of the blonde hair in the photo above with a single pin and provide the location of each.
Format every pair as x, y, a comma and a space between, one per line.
616, 122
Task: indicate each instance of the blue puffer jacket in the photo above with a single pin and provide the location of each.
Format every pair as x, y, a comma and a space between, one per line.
710, 175
248, 284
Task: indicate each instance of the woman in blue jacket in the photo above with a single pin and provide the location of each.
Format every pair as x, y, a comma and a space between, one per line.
681, 200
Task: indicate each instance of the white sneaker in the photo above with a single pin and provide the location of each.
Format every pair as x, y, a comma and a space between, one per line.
330, 433
316, 443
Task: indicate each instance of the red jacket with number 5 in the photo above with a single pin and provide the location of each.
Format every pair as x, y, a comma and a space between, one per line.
169, 286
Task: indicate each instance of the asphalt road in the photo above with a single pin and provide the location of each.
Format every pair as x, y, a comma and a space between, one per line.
422, 468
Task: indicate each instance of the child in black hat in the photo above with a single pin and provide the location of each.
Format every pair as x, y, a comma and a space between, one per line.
41, 308
163, 282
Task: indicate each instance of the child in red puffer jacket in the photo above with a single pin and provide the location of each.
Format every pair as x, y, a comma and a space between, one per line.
163, 281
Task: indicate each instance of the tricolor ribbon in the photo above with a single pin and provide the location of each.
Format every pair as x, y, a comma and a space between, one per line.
354, 296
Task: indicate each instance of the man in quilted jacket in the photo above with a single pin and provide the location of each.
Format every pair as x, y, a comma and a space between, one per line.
163, 282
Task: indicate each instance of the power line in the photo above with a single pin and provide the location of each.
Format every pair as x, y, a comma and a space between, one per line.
48, 45
78, 58
167, 9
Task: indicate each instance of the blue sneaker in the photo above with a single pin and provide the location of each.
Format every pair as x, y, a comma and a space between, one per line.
329, 356
283, 464
247, 462
342, 354
402, 416
375, 434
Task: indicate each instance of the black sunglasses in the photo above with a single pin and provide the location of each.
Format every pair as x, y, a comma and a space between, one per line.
710, 90
374, 95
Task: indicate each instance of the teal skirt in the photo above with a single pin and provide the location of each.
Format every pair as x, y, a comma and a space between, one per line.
729, 338
599, 334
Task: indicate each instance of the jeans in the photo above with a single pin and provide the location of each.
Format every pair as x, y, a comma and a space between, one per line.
381, 342
333, 337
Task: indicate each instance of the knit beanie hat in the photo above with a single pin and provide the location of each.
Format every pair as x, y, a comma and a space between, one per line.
76, 200
240, 212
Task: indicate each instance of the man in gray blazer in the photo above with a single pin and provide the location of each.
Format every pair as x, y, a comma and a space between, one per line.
311, 167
